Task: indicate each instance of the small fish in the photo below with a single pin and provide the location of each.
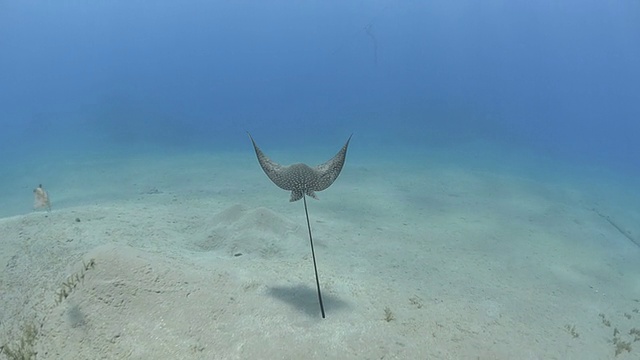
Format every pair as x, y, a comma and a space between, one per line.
41, 199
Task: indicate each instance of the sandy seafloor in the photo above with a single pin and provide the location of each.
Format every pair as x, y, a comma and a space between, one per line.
200, 256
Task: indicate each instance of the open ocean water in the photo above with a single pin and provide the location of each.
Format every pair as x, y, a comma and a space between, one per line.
553, 81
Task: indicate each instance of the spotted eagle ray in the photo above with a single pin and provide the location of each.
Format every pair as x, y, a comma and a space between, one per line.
302, 180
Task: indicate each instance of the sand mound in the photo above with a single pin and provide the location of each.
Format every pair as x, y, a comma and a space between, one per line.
129, 297
259, 231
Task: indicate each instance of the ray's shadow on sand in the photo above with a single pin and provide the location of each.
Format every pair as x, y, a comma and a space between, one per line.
305, 299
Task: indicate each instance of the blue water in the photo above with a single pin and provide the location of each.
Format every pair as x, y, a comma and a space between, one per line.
558, 81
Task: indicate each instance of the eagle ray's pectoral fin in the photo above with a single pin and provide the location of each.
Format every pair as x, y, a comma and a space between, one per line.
274, 171
328, 172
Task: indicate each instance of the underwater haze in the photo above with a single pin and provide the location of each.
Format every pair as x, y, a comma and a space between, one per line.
560, 79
